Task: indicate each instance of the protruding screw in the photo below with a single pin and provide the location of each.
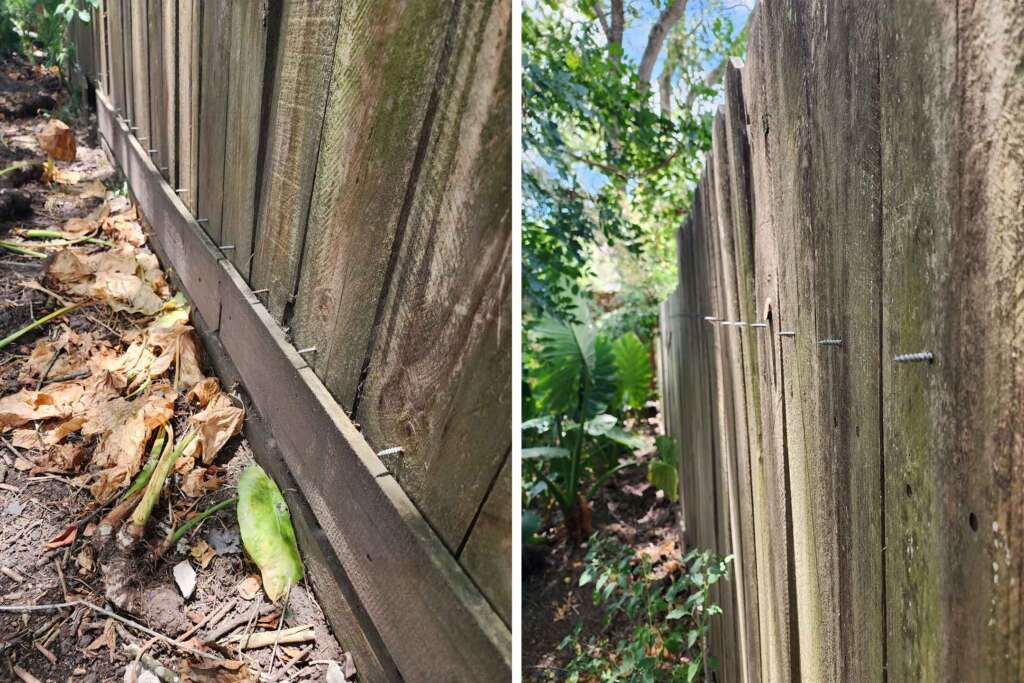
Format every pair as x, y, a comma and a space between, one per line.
260, 291
152, 151
202, 220
787, 333
227, 247
759, 324
181, 190
311, 349
711, 318
830, 342
923, 356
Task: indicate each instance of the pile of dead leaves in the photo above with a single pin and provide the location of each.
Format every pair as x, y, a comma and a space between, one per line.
89, 406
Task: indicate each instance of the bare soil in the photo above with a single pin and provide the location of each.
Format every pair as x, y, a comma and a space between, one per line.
75, 643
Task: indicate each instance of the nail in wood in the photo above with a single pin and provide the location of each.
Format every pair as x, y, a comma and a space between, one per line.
830, 342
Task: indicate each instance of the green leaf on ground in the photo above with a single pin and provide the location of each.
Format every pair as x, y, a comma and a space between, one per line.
267, 533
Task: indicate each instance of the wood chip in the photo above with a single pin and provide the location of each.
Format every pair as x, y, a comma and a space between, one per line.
46, 653
25, 676
13, 575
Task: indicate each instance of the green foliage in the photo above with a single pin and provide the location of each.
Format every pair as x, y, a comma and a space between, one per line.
267, 533
663, 471
40, 26
602, 164
576, 393
633, 369
668, 617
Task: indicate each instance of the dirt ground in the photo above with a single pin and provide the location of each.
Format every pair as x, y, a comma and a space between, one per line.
628, 507
40, 502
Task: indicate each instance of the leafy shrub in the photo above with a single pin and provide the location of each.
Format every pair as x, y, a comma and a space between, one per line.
41, 25
669, 617
580, 380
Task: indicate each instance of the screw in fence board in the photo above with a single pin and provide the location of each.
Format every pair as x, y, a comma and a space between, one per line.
787, 333
311, 349
759, 325
830, 342
710, 318
260, 291
923, 356
226, 247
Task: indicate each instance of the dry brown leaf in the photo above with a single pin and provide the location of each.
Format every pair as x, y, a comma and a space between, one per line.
58, 141
23, 465
66, 537
79, 227
203, 553
26, 438
196, 485
112, 277
124, 427
107, 639
220, 672
204, 391
57, 400
216, 423
249, 587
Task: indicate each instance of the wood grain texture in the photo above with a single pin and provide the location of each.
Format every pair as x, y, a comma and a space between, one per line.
213, 114
387, 62
488, 552
953, 234
140, 70
102, 48
189, 20
127, 38
745, 413
447, 401
302, 81
169, 54
245, 107
115, 36
157, 90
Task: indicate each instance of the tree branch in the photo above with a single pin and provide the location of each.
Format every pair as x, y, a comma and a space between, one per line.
618, 22
656, 39
711, 78
665, 89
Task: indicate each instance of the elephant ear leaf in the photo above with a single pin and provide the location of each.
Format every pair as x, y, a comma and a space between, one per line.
267, 532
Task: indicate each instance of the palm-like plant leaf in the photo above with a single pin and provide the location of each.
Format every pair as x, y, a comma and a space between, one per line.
575, 363
633, 369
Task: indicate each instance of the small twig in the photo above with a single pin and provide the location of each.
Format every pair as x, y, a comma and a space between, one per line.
113, 615
208, 619
78, 374
277, 636
46, 372
233, 623
295, 662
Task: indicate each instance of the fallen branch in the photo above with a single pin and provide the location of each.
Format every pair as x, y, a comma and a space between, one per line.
36, 323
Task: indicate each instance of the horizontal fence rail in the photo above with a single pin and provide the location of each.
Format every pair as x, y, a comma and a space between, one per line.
352, 162
841, 360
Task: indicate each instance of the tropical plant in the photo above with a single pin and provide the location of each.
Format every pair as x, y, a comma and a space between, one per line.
668, 615
663, 470
581, 381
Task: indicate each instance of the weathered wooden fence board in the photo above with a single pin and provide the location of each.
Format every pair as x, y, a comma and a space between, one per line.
188, 100
140, 71
378, 118
875, 181
305, 55
451, 283
487, 554
116, 36
245, 108
213, 114
169, 55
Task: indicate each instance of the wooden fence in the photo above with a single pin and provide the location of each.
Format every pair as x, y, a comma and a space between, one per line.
863, 201
352, 162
